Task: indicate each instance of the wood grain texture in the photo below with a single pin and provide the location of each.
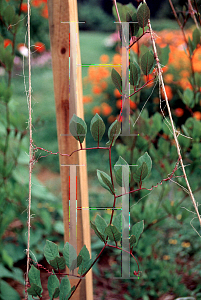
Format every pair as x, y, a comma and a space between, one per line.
66, 11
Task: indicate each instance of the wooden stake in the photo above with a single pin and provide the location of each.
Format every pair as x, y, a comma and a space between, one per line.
66, 11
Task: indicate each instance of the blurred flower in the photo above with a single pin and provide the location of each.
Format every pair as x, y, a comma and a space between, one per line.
111, 119
185, 244
106, 109
23, 7
97, 90
111, 40
166, 257
168, 78
44, 12
23, 50
39, 47
117, 93
104, 59
96, 110
169, 93
196, 60
179, 112
87, 99
173, 242
104, 85
36, 3
197, 115
7, 42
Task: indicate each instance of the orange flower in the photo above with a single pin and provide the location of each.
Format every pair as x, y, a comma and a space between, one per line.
36, 3
104, 58
7, 42
87, 99
96, 110
185, 84
44, 12
119, 103
168, 78
39, 47
197, 115
106, 109
179, 112
97, 90
104, 85
104, 72
117, 93
168, 92
116, 59
23, 7
197, 60
111, 119
133, 105
184, 73
156, 100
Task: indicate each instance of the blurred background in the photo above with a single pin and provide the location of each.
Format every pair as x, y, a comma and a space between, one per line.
169, 249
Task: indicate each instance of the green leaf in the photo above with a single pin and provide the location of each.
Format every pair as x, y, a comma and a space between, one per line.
100, 224
118, 222
122, 174
78, 128
105, 181
143, 14
58, 263
113, 132
76, 262
50, 251
132, 240
196, 36
134, 27
84, 253
97, 128
9, 14
163, 55
122, 12
113, 233
65, 288
34, 276
135, 73
7, 292
116, 78
141, 173
69, 254
187, 97
97, 232
53, 286
137, 230
147, 159
35, 290
147, 62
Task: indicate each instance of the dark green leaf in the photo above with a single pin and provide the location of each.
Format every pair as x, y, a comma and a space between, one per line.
119, 222
58, 263
100, 224
51, 251
53, 286
65, 288
9, 14
97, 232
147, 62
78, 128
35, 290
122, 12
105, 181
69, 254
113, 132
113, 233
122, 172
7, 292
97, 128
134, 27
147, 159
196, 36
76, 263
135, 73
116, 78
137, 230
143, 14
141, 173
163, 55
84, 253
132, 240
34, 276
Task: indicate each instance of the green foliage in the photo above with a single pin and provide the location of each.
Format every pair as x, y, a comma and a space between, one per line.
78, 128
122, 172
147, 62
105, 181
113, 132
143, 14
97, 128
116, 78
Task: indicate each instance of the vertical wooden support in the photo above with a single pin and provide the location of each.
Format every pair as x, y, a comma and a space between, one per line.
66, 11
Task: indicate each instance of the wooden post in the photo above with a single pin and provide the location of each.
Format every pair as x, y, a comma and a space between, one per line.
66, 11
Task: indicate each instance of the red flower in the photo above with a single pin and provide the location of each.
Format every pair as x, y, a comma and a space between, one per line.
39, 47
44, 12
7, 42
179, 112
23, 7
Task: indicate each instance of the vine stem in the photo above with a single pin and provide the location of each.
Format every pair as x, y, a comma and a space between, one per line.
30, 150
171, 120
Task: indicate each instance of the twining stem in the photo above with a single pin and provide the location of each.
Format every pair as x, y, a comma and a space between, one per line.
171, 120
30, 150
